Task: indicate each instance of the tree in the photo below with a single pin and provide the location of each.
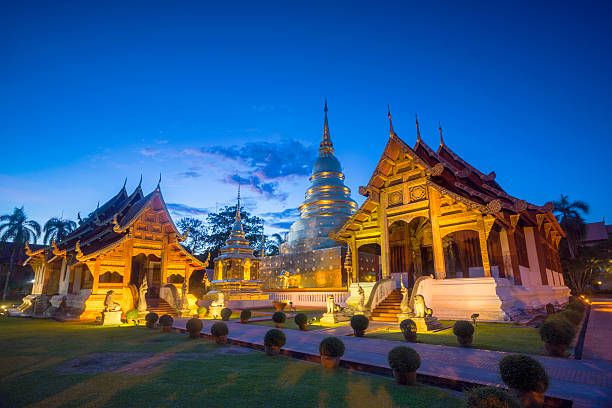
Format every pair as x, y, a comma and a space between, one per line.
19, 229
273, 243
196, 237
58, 229
591, 263
220, 225
571, 220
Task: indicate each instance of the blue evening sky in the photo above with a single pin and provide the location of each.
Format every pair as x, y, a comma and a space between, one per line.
208, 93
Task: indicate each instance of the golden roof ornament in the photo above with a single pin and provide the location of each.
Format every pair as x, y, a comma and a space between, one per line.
441, 137
391, 131
326, 148
417, 127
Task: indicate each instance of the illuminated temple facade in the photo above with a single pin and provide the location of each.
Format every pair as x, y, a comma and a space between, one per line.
129, 239
429, 214
309, 258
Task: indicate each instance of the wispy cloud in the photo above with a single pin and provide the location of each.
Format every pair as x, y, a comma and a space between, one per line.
149, 151
281, 219
190, 174
186, 210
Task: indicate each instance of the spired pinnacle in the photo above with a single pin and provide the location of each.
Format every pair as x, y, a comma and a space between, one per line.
391, 131
441, 138
238, 205
417, 126
326, 148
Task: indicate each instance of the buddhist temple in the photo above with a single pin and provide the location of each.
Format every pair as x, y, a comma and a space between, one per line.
454, 235
128, 241
236, 270
310, 258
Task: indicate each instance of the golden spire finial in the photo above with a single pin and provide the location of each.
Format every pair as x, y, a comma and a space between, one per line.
441, 138
417, 126
158, 181
391, 131
238, 205
326, 148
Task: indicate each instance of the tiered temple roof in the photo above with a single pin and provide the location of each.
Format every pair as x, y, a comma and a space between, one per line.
237, 246
453, 176
109, 225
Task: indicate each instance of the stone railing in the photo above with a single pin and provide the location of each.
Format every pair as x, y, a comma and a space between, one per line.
309, 298
380, 291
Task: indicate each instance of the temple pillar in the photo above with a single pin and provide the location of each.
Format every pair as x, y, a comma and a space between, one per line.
78, 275
39, 279
384, 235
434, 218
483, 234
127, 256
516, 270
96, 275
506, 255
532, 256
541, 250
355, 260
164, 261
64, 278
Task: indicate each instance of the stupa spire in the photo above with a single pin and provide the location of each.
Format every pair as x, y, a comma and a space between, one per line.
326, 148
238, 205
417, 127
441, 138
391, 131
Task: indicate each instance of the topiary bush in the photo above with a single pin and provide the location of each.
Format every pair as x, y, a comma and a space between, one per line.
332, 347
572, 316
219, 329
132, 314
202, 311
166, 320
151, 317
275, 338
359, 323
491, 397
245, 315
404, 359
408, 328
226, 313
279, 317
463, 328
300, 319
557, 331
194, 327
523, 373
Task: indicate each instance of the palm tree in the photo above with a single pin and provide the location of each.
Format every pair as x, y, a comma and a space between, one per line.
58, 229
571, 220
19, 229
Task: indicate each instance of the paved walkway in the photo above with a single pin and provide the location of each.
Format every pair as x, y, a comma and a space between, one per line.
587, 382
599, 331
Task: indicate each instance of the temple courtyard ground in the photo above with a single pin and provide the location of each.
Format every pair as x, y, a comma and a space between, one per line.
50, 364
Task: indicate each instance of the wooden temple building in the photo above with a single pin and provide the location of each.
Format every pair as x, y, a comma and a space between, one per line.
429, 213
129, 239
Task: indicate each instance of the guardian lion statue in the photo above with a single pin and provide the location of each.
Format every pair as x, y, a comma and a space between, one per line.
332, 307
420, 309
109, 303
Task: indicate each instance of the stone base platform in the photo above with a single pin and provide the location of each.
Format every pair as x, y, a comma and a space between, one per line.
333, 318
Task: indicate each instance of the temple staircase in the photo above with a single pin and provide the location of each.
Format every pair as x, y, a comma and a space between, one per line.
161, 307
387, 310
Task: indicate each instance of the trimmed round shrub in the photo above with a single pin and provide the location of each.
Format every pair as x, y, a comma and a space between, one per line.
573, 317
523, 373
194, 325
332, 347
275, 338
245, 315
166, 320
202, 310
491, 397
557, 331
219, 329
279, 317
132, 314
300, 319
404, 359
151, 317
408, 326
359, 323
463, 328
226, 313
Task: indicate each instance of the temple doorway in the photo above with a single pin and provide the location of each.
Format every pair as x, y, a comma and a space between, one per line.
462, 257
410, 248
149, 267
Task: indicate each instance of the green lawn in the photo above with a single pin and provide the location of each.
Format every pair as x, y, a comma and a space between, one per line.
290, 324
488, 336
50, 364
